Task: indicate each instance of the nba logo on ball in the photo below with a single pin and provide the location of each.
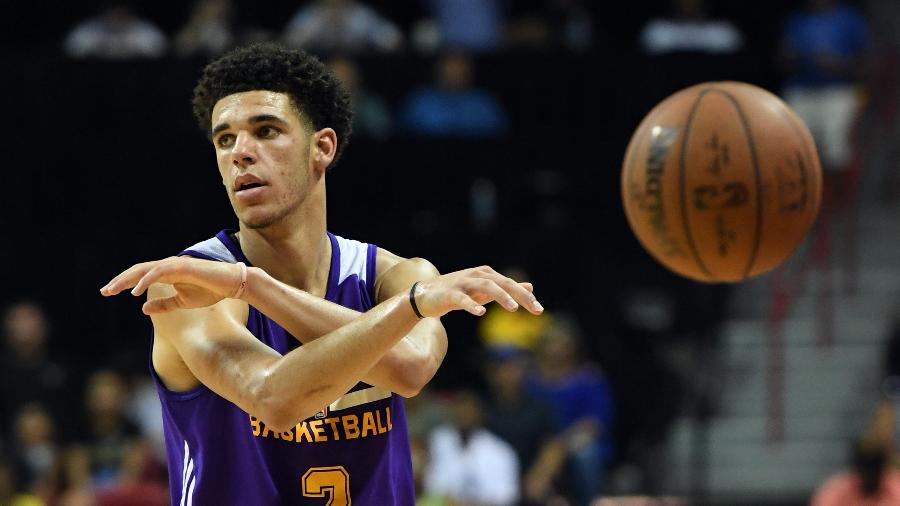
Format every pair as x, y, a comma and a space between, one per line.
721, 182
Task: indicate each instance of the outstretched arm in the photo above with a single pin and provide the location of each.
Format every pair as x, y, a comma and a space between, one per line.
404, 369
281, 390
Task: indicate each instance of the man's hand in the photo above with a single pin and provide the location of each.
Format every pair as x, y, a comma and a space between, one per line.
198, 283
470, 289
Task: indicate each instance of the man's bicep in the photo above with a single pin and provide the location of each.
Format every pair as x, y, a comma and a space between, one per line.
215, 345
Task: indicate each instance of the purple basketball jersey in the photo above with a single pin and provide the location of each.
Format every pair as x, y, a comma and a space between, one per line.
355, 450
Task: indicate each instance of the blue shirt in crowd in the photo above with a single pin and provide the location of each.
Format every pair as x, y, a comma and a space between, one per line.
838, 32
440, 112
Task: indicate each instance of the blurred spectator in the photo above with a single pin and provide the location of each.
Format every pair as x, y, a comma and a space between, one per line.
371, 115
822, 51
78, 497
28, 371
871, 482
468, 463
35, 451
555, 24
329, 26
9, 494
110, 435
473, 25
453, 107
208, 32
424, 412
117, 33
524, 421
144, 408
418, 447
139, 484
690, 29
581, 397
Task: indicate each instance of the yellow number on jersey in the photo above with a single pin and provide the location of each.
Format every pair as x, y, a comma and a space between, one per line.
331, 482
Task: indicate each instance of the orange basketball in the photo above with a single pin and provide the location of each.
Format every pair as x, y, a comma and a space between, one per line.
721, 182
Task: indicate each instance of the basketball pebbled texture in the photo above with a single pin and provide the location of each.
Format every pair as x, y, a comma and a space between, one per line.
721, 182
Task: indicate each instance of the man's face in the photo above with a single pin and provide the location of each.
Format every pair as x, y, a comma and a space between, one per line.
262, 150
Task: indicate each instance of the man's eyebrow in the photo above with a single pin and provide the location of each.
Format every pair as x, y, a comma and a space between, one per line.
259, 118
219, 128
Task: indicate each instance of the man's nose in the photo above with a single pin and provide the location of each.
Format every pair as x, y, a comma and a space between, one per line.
244, 152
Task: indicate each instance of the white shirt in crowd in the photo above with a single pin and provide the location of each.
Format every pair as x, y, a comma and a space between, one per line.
483, 472
669, 35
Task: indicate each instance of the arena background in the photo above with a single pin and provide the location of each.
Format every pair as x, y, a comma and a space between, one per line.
748, 394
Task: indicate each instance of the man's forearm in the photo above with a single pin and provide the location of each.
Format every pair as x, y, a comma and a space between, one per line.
405, 368
351, 348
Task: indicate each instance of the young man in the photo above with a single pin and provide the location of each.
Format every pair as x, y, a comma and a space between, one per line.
251, 416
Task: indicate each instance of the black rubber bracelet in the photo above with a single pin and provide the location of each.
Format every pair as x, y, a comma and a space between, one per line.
412, 300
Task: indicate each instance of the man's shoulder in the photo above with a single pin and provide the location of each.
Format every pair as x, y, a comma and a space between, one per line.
220, 247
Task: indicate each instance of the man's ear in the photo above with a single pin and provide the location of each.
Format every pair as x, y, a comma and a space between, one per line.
323, 148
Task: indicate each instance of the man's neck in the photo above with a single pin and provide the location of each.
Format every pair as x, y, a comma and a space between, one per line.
296, 251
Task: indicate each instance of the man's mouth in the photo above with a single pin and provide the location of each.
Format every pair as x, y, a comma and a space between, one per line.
249, 186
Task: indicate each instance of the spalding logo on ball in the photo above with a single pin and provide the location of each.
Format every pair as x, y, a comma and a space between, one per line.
721, 182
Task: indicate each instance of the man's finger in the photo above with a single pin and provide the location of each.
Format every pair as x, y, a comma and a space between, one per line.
522, 295
468, 304
126, 279
162, 305
152, 276
484, 290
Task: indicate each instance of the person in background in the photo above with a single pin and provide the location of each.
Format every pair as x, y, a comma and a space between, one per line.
689, 28
472, 25
524, 421
140, 483
453, 106
34, 451
117, 33
9, 494
552, 24
28, 370
332, 26
468, 463
870, 482
582, 398
822, 54
110, 434
373, 117
209, 31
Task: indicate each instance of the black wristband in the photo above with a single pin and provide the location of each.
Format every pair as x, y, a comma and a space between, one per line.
412, 300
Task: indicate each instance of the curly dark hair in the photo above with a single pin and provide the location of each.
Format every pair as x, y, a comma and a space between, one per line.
313, 89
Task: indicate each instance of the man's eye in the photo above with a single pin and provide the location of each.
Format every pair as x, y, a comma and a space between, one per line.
267, 132
225, 140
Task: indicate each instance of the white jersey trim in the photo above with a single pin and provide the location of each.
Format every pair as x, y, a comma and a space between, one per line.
354, 258
187, 475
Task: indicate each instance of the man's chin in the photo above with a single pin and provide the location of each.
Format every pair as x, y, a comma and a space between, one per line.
258, 222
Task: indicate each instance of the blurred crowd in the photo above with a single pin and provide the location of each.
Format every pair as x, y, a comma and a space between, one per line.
824, 54
543, 423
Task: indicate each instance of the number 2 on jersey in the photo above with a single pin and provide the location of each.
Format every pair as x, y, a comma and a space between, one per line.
331, 482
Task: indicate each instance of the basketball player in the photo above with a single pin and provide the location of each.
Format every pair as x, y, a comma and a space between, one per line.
250, 415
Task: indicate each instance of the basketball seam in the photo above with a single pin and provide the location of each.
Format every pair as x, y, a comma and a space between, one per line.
807, 154
683, 162
759, 200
